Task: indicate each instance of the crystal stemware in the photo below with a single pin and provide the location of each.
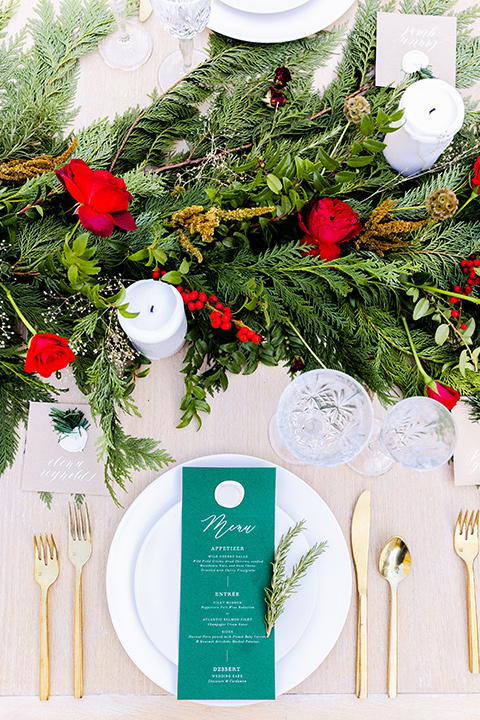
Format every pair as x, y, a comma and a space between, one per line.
183, 19
419, 433
324, 417
130, 45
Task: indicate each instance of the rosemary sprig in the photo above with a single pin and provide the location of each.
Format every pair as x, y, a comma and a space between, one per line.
281, 586
65, 421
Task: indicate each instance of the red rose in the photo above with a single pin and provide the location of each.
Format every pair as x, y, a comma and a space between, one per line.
444, 394
103, 197
326, 223
47, 353
476, 175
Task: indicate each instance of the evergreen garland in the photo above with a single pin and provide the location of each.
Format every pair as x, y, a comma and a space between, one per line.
241, 153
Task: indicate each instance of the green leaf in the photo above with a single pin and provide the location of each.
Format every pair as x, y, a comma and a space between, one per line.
360, 161
382, 118
140, 255
172, 277
184, 267
73, 274
80, 244
367, 126
442, 333
463, 362
470, 329
421, 308
328, 162
414, 293
345, 176
375, 146
274, 183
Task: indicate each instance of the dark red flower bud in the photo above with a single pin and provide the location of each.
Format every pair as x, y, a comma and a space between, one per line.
282, 76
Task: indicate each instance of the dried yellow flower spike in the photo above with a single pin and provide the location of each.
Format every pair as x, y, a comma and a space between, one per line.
193, 219
381, 233
442, 204
18, 171
355, 108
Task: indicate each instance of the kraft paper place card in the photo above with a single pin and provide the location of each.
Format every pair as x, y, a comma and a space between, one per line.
466, 460
228, 537
48, 467
402, 40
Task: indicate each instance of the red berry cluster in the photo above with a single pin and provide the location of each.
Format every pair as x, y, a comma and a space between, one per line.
469, 268
194, 300
220, 315
156, 273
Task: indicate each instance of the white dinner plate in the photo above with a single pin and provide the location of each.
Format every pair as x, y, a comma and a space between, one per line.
276, 27
260, 7
157, 585
300, 501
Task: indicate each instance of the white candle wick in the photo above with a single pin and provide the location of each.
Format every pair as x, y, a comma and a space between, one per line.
151, 309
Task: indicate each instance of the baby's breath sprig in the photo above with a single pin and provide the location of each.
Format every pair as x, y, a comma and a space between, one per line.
282, 586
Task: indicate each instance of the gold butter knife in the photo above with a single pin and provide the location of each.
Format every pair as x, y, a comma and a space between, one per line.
360, 539
144, 10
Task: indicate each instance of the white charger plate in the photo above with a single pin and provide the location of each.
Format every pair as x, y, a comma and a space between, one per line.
294, 496
157, 585
293, 24
260, 7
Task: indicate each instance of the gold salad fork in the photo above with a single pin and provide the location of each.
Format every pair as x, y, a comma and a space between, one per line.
45, 571
79, 551
465, 541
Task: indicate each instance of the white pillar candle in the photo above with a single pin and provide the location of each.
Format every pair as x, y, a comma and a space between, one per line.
159, 329
433, 113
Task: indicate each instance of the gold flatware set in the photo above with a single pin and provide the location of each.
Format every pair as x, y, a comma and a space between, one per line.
46, 570
394, 566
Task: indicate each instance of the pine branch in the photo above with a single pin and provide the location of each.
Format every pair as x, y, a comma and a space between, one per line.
283, 586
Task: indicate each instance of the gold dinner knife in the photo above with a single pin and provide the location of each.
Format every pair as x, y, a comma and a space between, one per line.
360, 538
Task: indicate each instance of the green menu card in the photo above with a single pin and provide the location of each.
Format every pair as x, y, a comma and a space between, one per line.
228, 537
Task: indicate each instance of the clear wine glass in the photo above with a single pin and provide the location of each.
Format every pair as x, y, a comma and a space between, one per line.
183, 19
130, 45
324, 417
419, 433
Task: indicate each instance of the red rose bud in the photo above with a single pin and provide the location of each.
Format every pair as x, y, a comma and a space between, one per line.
47, 353
326, 223
476, 176
276, 97
103, 197
282, 76
444, 394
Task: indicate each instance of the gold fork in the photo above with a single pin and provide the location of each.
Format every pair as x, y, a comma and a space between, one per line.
79, 551
45, 572
465, 541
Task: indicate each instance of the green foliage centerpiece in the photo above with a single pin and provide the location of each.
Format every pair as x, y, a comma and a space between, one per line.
236, 222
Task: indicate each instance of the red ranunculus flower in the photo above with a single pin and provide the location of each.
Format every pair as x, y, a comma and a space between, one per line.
326, 223
476, 176
444, 394
282, 76
47, 353
103, 197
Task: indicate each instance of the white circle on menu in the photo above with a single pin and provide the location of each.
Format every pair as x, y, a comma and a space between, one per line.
229, 493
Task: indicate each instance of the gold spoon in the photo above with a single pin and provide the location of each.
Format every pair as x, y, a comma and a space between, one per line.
394, 566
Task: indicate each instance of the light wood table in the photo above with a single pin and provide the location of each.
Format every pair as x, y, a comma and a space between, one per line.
434, 679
